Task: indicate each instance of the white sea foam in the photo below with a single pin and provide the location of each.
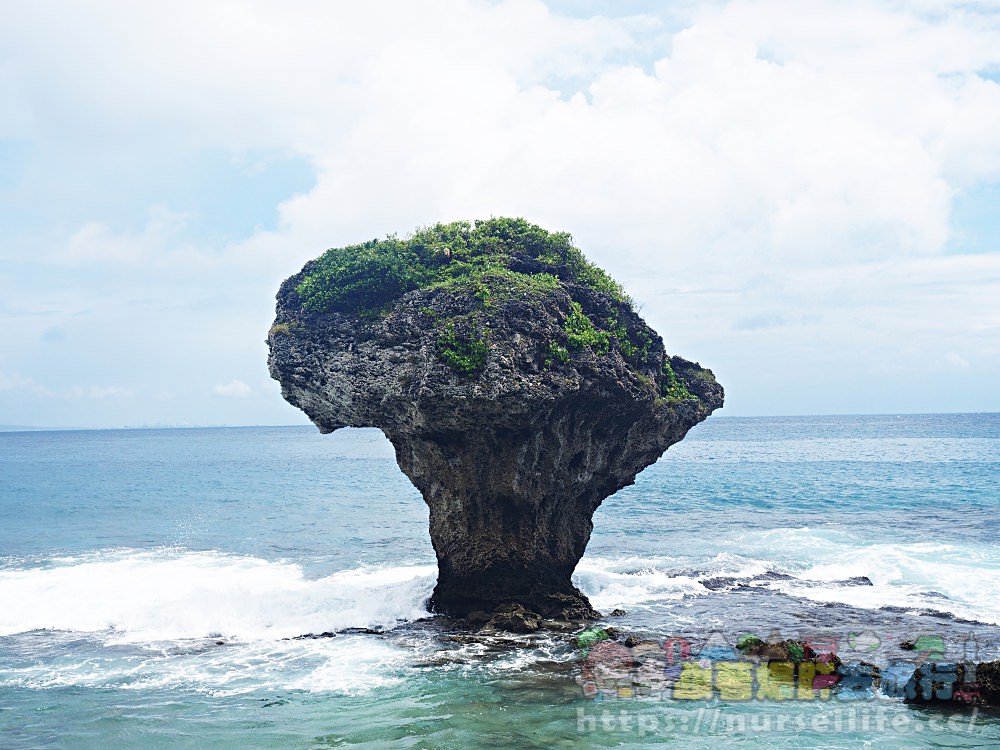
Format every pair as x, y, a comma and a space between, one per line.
633, 581
207, 621
345, 664
215, 622
961, 580
162, 595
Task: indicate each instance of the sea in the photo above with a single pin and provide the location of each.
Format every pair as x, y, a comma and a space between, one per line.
266, 587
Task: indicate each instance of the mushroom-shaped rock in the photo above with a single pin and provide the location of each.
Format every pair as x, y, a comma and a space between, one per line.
515, 381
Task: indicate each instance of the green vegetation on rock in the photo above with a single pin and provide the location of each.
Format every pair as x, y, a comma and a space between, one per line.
556, 353
637, 352
746, 642
464, 354
581, 334
496, 258
489, 263
672, 388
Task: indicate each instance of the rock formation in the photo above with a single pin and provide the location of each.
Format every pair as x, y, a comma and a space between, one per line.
515, 381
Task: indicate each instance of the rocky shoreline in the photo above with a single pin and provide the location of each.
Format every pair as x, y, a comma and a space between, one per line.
619, 666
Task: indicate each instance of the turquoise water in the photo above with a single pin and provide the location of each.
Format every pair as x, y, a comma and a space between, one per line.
153, 583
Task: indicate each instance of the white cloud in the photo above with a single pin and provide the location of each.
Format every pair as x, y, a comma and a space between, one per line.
764, 133
840, 152
774, 180
96, 242
957, 360
100, 392
96, 392
16, 382
233, 389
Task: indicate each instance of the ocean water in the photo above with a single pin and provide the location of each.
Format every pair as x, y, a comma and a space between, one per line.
154, 585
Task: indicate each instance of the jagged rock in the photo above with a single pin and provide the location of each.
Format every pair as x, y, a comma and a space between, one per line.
857, 581
949, 682
477, 618
786, 650
515, 619
987, 677
510, 424
617, 613
718, 583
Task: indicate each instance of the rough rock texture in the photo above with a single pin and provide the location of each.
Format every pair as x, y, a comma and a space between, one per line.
513, 459
988, 678
948, 682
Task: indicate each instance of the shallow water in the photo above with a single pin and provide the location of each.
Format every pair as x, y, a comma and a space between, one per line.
152, 584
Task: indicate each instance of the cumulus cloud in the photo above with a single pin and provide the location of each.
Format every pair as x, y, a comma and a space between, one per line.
746, 143
749, 131
766, 177
96, 242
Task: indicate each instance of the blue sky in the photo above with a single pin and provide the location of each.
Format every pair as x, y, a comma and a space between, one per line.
804, 197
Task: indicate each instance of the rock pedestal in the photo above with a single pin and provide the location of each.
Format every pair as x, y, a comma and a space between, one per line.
514, 455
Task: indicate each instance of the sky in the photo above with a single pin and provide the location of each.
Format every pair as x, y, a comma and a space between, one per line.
802, 196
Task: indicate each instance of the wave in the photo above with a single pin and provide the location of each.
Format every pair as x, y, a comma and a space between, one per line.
226, 624
218, 623
131, 596
349, 665
822, 565
168, 594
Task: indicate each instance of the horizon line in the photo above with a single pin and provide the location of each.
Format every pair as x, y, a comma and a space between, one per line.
150, 427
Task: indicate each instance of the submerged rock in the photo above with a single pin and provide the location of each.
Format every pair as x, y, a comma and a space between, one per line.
515, 381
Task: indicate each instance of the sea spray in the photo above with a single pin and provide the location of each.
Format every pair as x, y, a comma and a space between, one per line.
169, 594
